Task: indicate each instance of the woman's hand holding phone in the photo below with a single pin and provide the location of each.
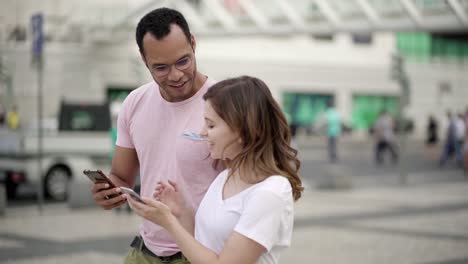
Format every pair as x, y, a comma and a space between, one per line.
169, 194
132, 193
152, 210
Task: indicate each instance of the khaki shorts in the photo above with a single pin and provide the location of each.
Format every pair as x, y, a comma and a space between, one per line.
135, 256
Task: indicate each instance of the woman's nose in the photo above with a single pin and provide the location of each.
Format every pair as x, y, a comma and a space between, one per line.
204, 132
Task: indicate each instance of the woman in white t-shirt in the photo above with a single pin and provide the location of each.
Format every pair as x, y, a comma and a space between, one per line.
247, 214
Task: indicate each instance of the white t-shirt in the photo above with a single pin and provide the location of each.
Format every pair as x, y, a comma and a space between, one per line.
264, 212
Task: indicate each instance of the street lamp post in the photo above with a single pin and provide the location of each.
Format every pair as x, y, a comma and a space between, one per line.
37, 61
399, 74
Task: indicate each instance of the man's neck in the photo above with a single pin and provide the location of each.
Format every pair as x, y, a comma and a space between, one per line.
200, 80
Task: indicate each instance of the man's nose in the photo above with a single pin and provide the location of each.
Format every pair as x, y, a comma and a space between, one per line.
175, 74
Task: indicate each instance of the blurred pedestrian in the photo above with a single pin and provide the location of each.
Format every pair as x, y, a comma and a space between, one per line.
385, 140
333, 123
449, 148
432, 136
460, 131
13, 118
465, 144
2, 115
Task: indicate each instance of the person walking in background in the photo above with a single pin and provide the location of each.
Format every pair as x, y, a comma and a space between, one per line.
450, 140
151, 125
13, 118
460, 131
2, 115
333, 123
247, 214
465, 144
432, 136
385, 138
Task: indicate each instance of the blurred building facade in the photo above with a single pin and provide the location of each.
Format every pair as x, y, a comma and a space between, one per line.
308, 52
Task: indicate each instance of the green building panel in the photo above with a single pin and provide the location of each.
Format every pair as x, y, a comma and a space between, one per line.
303, 109
366, 109
424, 46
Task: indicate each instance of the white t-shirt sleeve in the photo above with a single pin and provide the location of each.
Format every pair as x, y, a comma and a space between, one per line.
123, 129
268, 218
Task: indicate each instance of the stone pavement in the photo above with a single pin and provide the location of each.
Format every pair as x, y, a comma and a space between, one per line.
414, 224
378, 220
424, 223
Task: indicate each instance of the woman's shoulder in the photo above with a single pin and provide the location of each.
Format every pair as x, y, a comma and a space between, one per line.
276, 184
277, 180
221, 178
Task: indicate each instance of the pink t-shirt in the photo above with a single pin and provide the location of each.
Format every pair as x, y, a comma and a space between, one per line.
154, 128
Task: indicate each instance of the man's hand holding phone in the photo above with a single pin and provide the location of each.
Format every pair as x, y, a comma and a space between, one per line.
105, 192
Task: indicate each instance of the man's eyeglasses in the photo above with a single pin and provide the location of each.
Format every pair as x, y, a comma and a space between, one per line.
163, 70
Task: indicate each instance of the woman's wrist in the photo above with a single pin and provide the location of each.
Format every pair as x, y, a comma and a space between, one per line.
187, 212
182, 211
172, 224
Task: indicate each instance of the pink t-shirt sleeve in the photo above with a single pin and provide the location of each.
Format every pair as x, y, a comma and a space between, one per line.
123, 128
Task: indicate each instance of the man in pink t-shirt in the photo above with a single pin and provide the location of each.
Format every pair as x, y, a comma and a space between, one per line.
151, 127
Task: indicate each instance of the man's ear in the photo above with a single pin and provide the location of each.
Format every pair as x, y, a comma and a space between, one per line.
193, 42
144, 60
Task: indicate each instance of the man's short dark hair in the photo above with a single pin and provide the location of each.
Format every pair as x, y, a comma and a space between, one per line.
158, 22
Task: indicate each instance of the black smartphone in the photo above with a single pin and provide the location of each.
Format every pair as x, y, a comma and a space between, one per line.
97, 176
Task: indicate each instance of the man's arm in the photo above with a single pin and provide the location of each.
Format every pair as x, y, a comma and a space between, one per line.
124, 167
123, 173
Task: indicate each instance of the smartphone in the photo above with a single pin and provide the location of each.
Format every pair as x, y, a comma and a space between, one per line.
97, 176
131, 192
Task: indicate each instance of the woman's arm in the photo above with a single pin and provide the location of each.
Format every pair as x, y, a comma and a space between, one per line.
237, 249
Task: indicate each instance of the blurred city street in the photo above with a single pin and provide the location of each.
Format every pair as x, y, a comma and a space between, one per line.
374, 93
376, 219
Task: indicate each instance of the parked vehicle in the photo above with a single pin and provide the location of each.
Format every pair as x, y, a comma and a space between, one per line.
80, 141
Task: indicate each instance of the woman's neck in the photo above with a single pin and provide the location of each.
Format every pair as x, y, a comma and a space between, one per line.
246, 174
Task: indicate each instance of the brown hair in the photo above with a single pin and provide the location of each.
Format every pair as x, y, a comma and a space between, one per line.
247, 106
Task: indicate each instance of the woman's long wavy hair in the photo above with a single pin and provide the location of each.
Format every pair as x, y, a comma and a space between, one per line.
247, 106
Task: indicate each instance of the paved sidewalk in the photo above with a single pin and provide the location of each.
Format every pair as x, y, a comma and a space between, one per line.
423, 223
414, 224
